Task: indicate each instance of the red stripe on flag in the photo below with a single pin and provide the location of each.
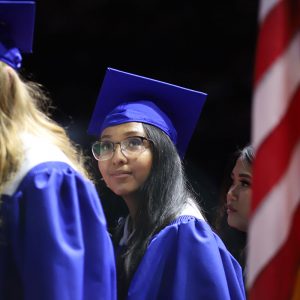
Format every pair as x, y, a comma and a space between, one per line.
274, 154
275, 34
277, 279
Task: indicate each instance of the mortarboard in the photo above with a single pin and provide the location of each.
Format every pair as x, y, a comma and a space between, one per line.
16, 30
126, 97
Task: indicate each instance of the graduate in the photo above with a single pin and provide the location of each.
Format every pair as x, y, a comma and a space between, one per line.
165, 249
54, 243
238, 198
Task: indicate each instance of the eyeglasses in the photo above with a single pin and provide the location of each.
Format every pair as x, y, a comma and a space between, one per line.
130, 147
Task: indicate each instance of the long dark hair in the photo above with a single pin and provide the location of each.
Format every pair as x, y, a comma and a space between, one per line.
161, 198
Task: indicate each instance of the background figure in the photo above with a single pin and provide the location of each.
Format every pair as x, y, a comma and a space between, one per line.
164, 247
53, 238
233, 217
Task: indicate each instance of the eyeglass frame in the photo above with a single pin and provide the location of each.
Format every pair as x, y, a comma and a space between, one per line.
121, 146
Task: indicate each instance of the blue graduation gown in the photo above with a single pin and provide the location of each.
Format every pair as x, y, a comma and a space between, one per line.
187, 260
56, 246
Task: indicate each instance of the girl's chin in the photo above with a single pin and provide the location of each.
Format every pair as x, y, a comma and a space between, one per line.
123, 192
235, 225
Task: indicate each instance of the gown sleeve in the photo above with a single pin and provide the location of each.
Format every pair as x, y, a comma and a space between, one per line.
186, 260
59, 239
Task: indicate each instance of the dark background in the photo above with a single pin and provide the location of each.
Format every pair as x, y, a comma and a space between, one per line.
203, 45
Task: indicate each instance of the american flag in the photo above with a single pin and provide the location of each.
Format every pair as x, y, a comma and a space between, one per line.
273, 263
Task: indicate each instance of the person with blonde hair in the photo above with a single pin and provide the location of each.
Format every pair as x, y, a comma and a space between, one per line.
54, 242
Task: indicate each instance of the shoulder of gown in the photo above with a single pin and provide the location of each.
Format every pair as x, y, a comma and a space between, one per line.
58, 246
187, 260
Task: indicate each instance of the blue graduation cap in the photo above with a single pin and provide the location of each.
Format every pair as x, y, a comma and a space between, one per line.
16, 30
126, 97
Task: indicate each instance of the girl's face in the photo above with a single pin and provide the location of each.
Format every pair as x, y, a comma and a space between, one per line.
239, 196
125, 174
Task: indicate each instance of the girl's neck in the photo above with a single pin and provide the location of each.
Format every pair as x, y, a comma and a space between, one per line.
132, 205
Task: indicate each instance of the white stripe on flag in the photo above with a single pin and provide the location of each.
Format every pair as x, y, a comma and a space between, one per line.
274, 92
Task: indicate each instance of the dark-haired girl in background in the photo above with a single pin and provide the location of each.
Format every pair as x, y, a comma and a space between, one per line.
233, 218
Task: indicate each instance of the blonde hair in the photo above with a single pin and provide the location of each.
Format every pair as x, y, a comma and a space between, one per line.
23, 109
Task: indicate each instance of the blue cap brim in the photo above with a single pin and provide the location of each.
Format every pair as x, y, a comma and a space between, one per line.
17, 23
183, 106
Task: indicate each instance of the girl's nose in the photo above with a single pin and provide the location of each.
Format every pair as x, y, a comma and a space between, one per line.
118, 156
232, 193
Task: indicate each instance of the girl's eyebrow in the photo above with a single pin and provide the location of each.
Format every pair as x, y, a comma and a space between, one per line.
126, 134
245, 175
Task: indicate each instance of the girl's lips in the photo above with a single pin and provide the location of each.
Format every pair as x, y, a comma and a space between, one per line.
121, 174
230, 209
